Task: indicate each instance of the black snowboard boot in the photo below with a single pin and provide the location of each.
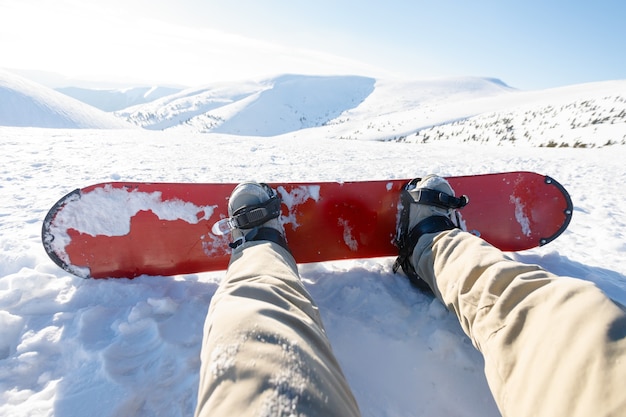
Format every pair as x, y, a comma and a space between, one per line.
254, 210
428, 206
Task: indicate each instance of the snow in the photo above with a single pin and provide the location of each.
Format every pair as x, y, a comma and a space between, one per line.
463, 109
74, 347
117, 98
520, 216
266, 107
25, 103
294, 198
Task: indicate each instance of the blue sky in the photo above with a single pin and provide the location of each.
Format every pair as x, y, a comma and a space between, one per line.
527, 44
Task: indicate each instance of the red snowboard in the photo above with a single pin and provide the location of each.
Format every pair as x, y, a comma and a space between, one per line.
130, 229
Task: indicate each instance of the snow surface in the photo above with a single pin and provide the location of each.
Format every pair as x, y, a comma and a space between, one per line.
72, 347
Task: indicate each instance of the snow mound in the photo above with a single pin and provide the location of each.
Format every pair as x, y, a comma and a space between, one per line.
24, 103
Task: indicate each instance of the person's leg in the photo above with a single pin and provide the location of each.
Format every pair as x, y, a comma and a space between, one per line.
265, 351
553, 346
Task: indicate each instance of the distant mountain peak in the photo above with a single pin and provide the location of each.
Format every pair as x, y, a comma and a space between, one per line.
268, 107
111, 100
27, 104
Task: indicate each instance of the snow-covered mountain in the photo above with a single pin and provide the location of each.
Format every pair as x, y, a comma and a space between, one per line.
28, 104
119, 98
583, 116
288, 103
462, 109
466, 109
266, 107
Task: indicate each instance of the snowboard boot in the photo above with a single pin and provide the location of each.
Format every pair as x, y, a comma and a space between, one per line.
428, 206
254, 215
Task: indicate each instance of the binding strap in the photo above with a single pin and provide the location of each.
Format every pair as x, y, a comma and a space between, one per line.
407, 239
432, 197
252, 216
249, 217
406, 245
262, 233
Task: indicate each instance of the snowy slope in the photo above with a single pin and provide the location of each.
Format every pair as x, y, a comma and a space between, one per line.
263, 108
73, 347
25, 103
288, 103
463, 109
585, 115
294, 102
484, 111
117, 99
182, 107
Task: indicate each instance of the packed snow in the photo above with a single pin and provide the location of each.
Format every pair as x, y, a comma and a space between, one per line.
72, 347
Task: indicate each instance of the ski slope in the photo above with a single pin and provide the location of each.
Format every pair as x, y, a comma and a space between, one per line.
72, 347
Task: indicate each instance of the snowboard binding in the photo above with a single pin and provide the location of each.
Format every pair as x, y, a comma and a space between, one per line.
444, 217
252, 221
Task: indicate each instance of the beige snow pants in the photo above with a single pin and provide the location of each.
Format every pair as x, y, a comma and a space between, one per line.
553, 346
265, 351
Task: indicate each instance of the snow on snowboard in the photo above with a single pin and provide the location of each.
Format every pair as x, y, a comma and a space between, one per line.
122, 229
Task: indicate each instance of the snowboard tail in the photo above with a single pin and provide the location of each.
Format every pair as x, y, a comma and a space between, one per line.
123, 229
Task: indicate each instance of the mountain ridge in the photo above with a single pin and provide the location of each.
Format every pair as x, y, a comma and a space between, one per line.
24, 103
460, 109
110, 100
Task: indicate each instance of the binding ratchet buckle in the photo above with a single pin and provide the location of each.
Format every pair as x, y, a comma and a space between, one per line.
249, 217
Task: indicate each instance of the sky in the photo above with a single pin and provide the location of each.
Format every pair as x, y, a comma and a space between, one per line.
531, 44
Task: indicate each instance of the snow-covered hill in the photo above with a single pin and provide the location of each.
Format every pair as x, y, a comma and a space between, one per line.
288, 103
579, 116
465, 109
267, 107
27, 104
462, 109
117, 99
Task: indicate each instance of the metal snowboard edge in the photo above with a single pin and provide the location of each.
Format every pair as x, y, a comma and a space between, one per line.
567, 212
47, 238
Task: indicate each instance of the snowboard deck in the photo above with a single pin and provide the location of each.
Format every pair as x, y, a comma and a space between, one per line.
123, 229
